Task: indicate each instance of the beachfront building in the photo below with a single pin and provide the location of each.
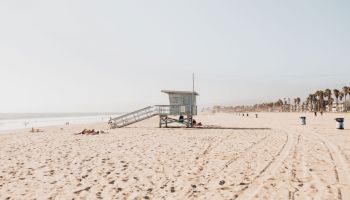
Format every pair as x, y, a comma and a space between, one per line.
339, 107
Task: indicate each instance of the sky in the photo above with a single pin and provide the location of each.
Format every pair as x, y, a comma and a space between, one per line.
116, 56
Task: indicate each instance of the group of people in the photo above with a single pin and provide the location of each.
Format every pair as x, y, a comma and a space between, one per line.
35, 130
90, 132
194, 122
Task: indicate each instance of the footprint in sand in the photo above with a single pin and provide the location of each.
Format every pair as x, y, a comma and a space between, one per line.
222, 182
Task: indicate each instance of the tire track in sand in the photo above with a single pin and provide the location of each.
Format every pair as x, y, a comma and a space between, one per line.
302, 181
250, 190
189, 193
341, 167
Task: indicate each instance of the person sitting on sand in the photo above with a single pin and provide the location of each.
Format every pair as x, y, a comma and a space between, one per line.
89, 132
195, 124
35, 130
181, 119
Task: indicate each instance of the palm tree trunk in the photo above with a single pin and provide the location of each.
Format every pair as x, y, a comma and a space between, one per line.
344, 104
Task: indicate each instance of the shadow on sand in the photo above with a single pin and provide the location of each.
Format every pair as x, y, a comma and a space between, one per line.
217, 127
233, 128
205, 127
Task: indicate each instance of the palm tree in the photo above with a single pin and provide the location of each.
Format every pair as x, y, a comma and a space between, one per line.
295, 105
279, 104
328, 94
320, 100
298, 103
341, 96
314, 103
346, 92
336, 94
330, 104
309, 102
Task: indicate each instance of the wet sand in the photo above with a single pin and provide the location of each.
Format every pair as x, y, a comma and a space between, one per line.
269, 157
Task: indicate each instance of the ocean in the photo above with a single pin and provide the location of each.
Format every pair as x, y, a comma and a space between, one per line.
10, 121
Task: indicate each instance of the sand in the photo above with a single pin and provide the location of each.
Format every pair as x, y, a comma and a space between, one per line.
284, 161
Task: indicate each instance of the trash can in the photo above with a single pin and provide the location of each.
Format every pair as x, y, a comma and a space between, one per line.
339, 123
303, 120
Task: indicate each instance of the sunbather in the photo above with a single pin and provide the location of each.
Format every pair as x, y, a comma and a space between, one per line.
35, 130
195, 124
89, 132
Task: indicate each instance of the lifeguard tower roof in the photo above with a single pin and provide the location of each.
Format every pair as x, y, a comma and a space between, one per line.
178, 92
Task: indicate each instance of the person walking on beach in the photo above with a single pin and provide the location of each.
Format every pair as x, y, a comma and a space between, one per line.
315, 113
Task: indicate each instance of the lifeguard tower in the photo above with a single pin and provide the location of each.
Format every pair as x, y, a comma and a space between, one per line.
181, 109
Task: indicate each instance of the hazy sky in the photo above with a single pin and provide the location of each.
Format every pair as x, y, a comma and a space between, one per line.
85, 56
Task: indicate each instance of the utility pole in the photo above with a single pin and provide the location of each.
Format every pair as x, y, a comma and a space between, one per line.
192, 99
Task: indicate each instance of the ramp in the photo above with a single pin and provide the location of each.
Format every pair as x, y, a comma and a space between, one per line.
134, 117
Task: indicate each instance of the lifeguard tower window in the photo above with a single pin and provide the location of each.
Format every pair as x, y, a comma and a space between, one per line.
187, 100
176, 100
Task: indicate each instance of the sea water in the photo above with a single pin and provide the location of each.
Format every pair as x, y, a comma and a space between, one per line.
10, 121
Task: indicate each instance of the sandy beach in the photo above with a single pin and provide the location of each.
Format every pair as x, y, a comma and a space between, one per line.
269, 157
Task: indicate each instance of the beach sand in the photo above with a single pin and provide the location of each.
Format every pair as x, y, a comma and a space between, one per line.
270, 157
